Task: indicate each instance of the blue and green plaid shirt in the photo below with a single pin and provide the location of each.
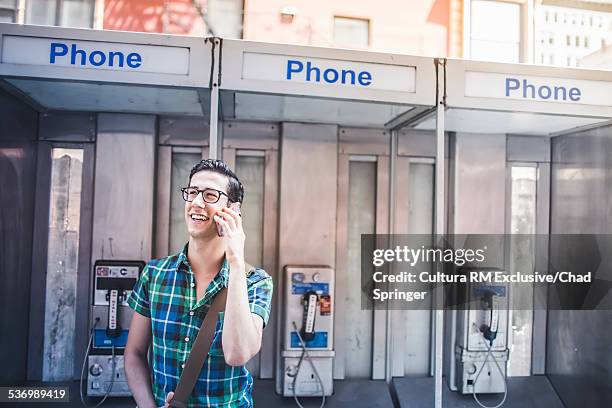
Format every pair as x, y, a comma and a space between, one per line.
166, 293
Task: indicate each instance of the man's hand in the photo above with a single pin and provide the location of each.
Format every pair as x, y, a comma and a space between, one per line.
234, 236
168, 399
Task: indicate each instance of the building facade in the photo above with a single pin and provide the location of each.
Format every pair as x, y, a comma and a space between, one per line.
549, 32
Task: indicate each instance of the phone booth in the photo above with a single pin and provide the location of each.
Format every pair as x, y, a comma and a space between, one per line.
335, 130
82, 112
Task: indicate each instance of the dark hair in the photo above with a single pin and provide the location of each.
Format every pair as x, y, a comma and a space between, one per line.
235, 190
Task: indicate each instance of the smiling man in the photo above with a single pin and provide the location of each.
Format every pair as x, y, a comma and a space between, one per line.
174, 294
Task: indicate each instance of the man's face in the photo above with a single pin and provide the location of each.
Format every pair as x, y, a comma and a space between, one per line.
198, 213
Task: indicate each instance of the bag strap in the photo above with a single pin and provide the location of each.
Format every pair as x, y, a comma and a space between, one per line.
198, 353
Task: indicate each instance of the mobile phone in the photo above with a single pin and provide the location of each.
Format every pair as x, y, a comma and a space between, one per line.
233, 206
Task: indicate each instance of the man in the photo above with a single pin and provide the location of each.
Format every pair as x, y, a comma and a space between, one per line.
174, 293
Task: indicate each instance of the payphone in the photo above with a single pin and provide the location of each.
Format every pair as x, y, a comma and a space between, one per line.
110, 319
481, 349
308, 337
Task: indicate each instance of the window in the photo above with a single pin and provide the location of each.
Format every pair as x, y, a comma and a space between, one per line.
351, 32
586, 42
8, 11
67, 13
495, 31
569, 40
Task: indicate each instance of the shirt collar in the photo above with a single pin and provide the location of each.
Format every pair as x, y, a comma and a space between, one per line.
182, 260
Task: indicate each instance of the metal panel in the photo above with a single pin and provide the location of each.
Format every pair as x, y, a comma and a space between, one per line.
270, 263
341, 263
419, 143
363, 141
528, 148
250, 170
233, 78
84, 275
358, 334
480, 171
578, 347
417, 326
198, 71
62, 263
301, 218
456, 92
398, 317
18, 126
67, 127
538, 361
181, 165
162, 207
124, 186
250, 135
379, 349
183, 130
39, 263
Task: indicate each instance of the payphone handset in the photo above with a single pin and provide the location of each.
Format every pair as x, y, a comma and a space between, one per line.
309, 301
491, 303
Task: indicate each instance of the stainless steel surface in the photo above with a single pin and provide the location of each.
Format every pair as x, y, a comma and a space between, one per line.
379, 346
440, 226
578, 347
270, 263
528, 148
84, 278
62, 264
420, 221
214, 142
17, 200
357, 334
68, 127
123, 201
521, 222
477, 202
342, 217
417, 143
97, 385
39, 263
162, 201
363, 141
538, 361
392, 186
182, 162
251, 135
183, 130
250, 170
479, 184
302, 218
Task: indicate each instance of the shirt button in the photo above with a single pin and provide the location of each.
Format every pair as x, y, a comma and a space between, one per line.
191, 313
186, 339
192, 284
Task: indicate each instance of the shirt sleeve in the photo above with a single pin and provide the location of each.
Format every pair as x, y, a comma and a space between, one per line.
139, 298
260, 298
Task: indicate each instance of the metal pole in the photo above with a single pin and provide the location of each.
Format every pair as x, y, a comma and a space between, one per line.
213, 143
392, 167
439, 226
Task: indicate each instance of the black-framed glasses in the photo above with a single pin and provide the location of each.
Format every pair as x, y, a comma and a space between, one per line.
209, 195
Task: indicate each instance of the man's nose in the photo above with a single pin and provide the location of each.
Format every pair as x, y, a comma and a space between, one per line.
199, 200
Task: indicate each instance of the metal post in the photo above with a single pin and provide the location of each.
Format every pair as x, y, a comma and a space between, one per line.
213, 150
439, 226
391, 229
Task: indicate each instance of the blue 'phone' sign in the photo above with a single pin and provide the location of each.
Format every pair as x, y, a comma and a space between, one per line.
96, 58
